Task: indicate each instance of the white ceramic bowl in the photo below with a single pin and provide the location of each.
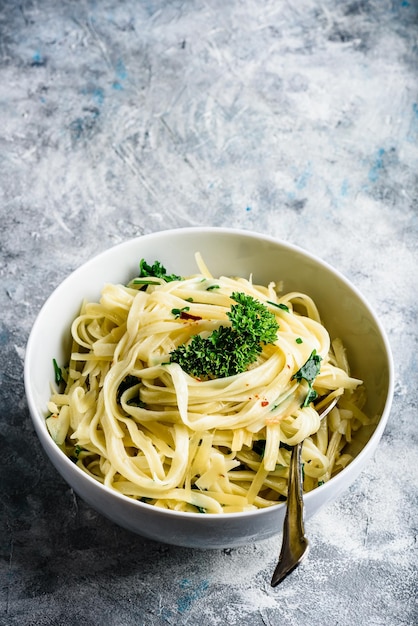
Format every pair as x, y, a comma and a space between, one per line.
226, 251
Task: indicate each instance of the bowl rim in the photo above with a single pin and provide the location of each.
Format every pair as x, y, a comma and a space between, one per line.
49, 445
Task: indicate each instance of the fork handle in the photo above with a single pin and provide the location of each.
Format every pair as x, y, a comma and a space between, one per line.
295, 545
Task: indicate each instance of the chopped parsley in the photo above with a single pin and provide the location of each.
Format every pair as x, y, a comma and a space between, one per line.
177, 312
309, 371
279, 305
156, 270
58, 373
229, 350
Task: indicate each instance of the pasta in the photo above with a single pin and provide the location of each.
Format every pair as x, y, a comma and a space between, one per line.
135, 420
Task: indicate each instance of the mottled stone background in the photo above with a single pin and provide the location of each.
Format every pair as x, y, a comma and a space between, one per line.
297, 119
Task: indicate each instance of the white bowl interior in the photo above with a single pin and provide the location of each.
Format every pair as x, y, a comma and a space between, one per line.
231, 252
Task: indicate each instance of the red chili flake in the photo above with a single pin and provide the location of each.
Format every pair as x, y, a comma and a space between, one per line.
188, 316
264, 403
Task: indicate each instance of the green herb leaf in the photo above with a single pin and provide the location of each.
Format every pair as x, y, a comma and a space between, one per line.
177, 312
310, 397
58, 373
229, 350
309, 371
201, 509
279, 305
253, 318
156, 270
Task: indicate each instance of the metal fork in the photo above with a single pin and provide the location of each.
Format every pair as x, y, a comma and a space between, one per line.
295, 545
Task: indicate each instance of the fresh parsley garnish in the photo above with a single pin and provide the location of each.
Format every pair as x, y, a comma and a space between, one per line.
229, 350
309, 371
279, 305
58, 372
156, 270
177, 312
